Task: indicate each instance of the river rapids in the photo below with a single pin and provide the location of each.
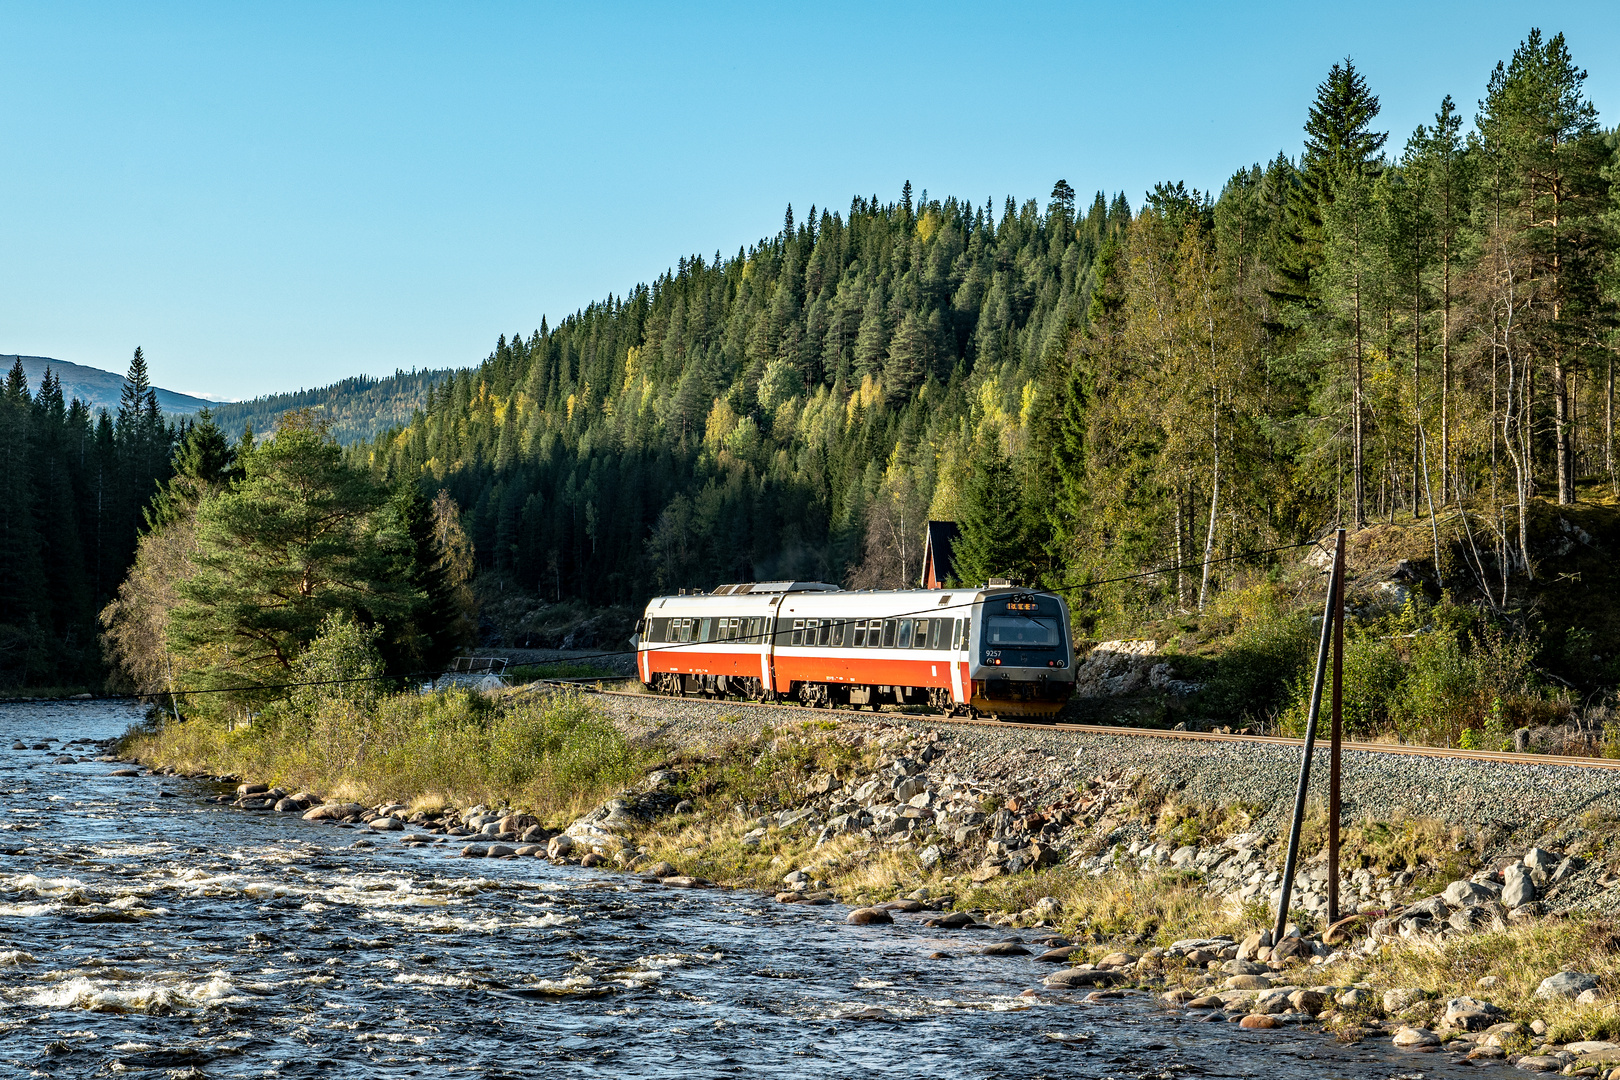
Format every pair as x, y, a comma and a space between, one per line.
147, 932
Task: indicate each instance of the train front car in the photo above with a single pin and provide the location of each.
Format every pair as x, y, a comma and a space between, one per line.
1022, 655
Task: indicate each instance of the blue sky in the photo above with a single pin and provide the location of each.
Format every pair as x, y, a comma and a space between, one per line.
273, 196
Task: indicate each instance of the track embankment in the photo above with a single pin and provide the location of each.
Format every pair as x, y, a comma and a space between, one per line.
1505, 793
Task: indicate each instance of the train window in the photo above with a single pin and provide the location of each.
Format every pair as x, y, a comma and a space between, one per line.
706, 630
1020, 632
889, 628
838, 632
823, 630
686, 630
798, 631
659, 631
903, 638
857, 638
925, 630
958, 637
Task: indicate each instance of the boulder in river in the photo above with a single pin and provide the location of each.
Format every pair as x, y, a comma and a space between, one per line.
867, 915
1071, 978
335, 812
1004, 948
387, 824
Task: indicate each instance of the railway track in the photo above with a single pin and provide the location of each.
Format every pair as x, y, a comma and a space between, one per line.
1604, 764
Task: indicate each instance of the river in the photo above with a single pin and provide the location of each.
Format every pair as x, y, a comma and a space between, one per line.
145, 931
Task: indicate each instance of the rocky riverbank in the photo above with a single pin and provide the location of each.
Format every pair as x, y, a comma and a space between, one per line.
1480, 927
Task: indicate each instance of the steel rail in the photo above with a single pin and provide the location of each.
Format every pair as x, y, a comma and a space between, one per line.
1404, 749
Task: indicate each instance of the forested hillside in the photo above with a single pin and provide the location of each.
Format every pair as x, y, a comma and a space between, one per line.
751, 417
73, 485
1366, 328
353, 409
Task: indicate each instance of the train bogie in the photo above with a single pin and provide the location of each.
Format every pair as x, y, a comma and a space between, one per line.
1001, 651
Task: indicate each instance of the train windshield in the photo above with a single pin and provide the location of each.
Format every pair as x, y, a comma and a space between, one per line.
1018, 632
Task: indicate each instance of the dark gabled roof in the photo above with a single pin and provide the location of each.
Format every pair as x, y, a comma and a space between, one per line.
939, 548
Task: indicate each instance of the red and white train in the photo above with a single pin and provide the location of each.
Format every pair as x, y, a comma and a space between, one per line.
998, 650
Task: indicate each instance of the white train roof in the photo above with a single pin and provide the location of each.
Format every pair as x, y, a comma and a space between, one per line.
821, 598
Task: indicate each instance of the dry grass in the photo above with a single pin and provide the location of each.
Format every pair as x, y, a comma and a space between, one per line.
555, 756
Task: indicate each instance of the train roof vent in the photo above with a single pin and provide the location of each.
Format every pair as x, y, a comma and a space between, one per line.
776, 587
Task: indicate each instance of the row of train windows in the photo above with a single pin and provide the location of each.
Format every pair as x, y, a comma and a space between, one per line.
744, 630
832, 633
879, 633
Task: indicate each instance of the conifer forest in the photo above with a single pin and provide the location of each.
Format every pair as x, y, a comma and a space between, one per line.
1370, 326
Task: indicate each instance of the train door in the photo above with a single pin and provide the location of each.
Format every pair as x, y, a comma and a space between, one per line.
767, 651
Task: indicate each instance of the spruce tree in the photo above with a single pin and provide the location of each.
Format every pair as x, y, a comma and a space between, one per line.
991, 543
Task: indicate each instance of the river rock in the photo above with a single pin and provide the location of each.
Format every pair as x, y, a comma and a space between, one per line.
1252, 945
66, 759
1244, 967
901, 905
1539, 1063
1354, 998
535, 834
1208, 1001
591, 858
684, 881
334, 812
1258, 1020
125, 772
531, 850
1247, 982
387, 824
661, 870
558, 846
252, 789
19, 746
1415, 1038
1070, 978
475, 851
956, 920
518, 823
1059, 955
1004, 948
289, 805
1178, 997
1308, 1001
1565, 984
867, 915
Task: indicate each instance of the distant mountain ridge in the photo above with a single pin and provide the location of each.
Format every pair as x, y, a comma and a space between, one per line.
355, 409
96, 388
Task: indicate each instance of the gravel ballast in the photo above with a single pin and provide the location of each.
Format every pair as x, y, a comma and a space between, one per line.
1376, 786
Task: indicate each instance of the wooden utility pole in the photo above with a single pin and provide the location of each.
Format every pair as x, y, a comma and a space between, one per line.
1330, 613
1337, 735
